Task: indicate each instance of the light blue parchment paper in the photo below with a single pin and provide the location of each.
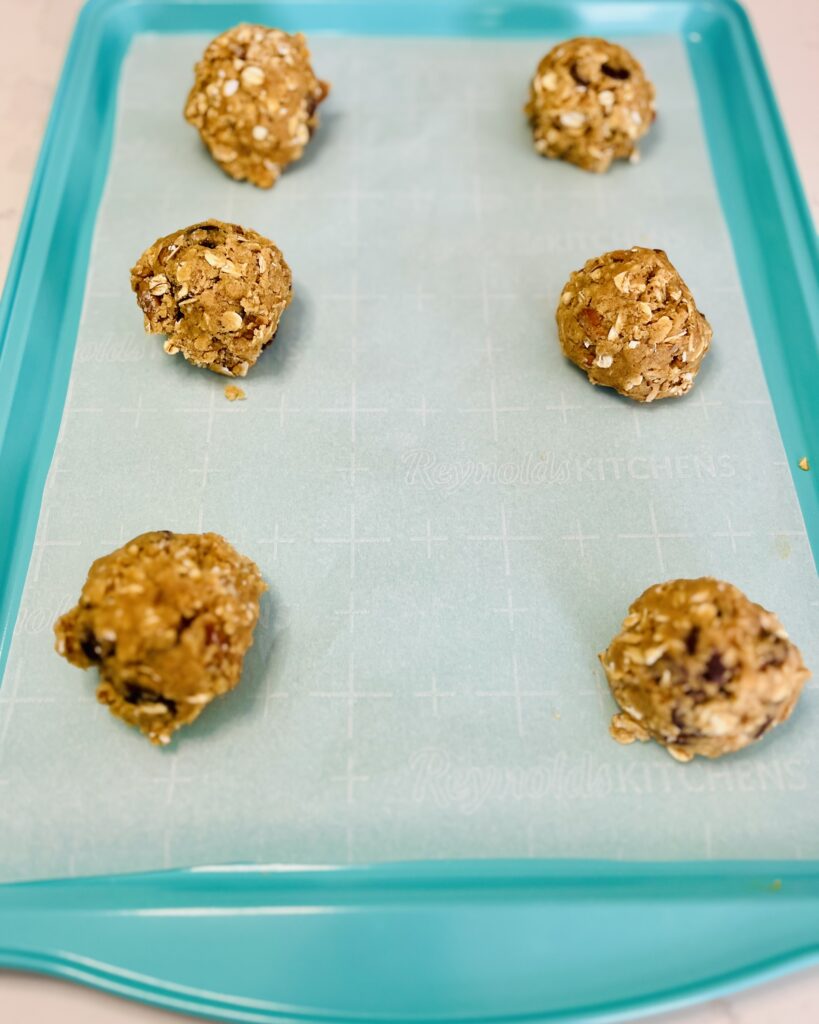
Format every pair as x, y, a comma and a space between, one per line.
452, 521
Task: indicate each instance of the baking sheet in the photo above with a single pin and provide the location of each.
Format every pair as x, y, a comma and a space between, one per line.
451, 520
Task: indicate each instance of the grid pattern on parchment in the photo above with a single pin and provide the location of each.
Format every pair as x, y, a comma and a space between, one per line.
452, 521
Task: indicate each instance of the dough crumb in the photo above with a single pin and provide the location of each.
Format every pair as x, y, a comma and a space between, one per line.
254, 101
630, 322
233, 393
626, 730
701, 669
803, 463
589, 103
167, 619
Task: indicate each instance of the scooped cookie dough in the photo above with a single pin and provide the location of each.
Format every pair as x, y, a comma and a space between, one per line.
701, 669
254, 101
167, 619
217, 291
589, 103
629, 320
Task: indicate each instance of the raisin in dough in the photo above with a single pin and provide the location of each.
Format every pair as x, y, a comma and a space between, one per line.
167, 619
589, 103
217, 291
254, 101
628, 319
701, 669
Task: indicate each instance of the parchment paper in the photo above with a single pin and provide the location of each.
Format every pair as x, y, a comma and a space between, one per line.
452, 521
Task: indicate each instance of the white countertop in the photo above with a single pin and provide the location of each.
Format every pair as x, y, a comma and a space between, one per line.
38, 31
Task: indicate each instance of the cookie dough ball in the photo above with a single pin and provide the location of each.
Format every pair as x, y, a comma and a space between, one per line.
628, 319
254, 101
217, 291
589, 103
701, 669
167, 619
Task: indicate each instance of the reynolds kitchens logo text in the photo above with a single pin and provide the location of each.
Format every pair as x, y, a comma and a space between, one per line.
423, 468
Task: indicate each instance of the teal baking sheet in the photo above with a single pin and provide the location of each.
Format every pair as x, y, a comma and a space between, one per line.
452, 522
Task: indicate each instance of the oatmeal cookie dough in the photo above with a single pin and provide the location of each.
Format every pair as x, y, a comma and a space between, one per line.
701, 669
589, 103
167, 619
629, 320
217, 291
254, 101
